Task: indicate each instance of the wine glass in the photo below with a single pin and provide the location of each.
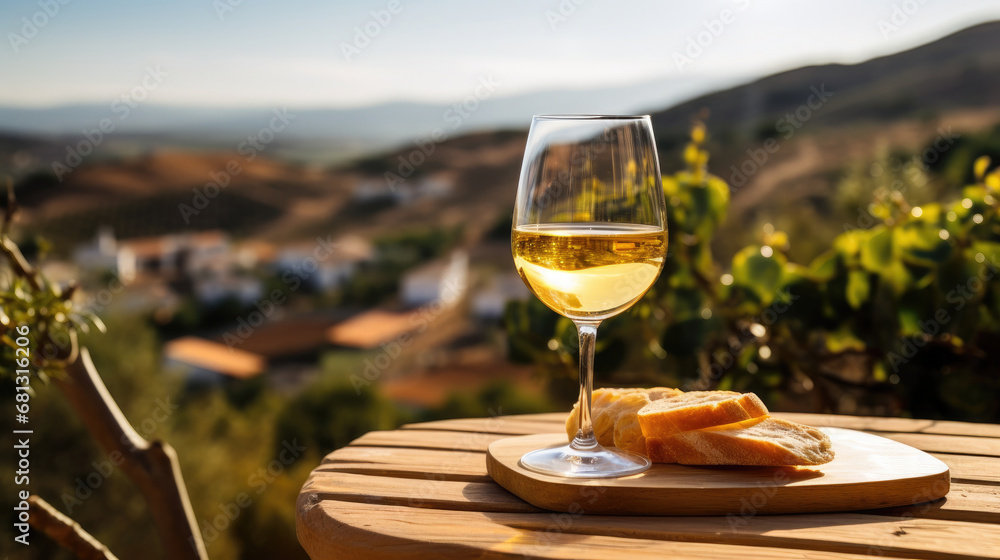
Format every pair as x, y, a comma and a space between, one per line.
589, 239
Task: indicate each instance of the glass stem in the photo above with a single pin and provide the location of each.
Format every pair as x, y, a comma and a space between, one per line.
585, 430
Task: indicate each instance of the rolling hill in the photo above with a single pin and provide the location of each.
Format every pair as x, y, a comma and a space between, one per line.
821, 119
958, 72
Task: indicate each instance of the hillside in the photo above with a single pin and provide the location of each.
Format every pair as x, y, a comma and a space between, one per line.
819, 121
960, 71
168, 191
164, 191
898, 103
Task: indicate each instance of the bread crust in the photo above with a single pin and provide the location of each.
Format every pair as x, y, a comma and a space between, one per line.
604, 414
757, 442
700, 428
697, 410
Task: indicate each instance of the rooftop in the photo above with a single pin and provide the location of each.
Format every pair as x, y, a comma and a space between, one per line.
371, 328
213, 356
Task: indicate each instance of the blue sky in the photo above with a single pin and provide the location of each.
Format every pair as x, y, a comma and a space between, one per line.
292, 52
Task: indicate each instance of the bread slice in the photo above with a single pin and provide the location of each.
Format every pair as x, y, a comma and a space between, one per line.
627, 434
697, 410
604, 414
763, 441
700, 428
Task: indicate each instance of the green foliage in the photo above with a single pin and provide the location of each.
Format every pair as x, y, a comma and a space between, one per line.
190, 315
495, 399
956, 164
225, 451
895, 317
38, 319
500, 230
224, 436
868, 191
331, 412
71, 472
414, 246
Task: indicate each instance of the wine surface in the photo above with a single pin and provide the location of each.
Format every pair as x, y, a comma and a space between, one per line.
588, 271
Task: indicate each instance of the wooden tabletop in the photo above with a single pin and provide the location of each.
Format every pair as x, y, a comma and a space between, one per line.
422, 491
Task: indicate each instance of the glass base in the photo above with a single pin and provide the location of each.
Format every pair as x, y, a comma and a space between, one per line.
584, 462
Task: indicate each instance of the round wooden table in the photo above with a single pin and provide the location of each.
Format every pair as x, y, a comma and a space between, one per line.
422, 491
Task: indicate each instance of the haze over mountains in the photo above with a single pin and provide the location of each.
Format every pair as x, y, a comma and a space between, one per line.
372, 127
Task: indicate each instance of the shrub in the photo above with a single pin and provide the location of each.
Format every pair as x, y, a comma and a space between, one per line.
896, 318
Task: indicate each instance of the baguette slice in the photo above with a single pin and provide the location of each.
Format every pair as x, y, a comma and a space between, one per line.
763, 441
628, 433
604, 417
697, 410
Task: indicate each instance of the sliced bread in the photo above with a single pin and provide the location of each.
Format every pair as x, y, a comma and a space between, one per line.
605, 415
627, 434
763, 441
698, 409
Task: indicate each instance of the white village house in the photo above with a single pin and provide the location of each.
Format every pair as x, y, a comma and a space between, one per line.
490, 301
443, 280
325, 268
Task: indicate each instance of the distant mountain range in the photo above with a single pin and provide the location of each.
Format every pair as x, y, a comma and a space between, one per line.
960, 71
382, 125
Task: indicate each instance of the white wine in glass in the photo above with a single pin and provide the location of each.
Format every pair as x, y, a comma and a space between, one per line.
589, 239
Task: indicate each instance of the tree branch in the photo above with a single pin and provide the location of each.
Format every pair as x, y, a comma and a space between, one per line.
151, 465
20, 264
11, 211
66, 532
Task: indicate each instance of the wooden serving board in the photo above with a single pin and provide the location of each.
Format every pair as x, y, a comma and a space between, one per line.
869, 472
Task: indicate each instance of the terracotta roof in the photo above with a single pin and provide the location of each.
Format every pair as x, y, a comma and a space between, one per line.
263, 251
371, 328
287, 337
213, 356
